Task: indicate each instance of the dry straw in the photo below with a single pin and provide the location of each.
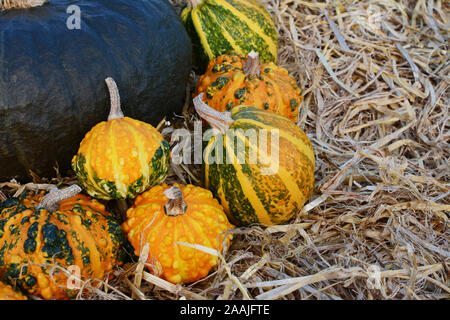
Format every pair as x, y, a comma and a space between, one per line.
17, 4
376, 83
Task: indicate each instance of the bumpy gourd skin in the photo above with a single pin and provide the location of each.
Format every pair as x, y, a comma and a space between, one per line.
226, 85
34, 242
7, 293
203, 223
121, 158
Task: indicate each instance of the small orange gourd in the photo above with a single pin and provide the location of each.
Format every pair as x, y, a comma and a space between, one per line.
166, 218
121, 157
232, 80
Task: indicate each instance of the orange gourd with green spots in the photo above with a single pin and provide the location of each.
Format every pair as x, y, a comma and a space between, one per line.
163, 216
121, 157
8, 293
232, 80
41, 236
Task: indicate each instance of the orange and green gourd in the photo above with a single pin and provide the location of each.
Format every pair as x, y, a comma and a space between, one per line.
165, 215
232, 80
219, 27
8, 293
41, 236
121, 157
270, 177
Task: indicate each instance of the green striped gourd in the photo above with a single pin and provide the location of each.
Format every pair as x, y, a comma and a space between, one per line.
218, 27
270, 190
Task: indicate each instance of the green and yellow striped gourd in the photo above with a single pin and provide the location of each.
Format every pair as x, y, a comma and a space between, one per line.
218, 27
268, 183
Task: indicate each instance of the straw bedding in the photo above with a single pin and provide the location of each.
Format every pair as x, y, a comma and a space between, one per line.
376, 79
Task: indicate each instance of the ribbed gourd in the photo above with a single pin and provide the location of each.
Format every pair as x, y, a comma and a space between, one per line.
8, 293
218, 27
258, 164
43, 235
121, 157
165, 217
232, 80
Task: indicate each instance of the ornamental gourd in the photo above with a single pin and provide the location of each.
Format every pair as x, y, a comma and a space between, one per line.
259, 165
42, 236
50, 68
218, 27
233, 80
163, 216
121, 157
8, 293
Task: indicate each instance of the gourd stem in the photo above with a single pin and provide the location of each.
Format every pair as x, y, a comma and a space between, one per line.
116, 111
20, 4
176, 205
122, 205
252, 65
218, 120
50, 202
193, 3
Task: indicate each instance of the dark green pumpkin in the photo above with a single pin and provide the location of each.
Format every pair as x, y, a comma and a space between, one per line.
52, 89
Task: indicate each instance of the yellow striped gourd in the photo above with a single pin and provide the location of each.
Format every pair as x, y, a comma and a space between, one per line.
270, 180
218, 27
121, 157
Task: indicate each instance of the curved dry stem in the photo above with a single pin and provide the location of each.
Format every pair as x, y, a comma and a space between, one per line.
116, 111
51, 201
193, 3
176, 205
20, 4
218, 120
